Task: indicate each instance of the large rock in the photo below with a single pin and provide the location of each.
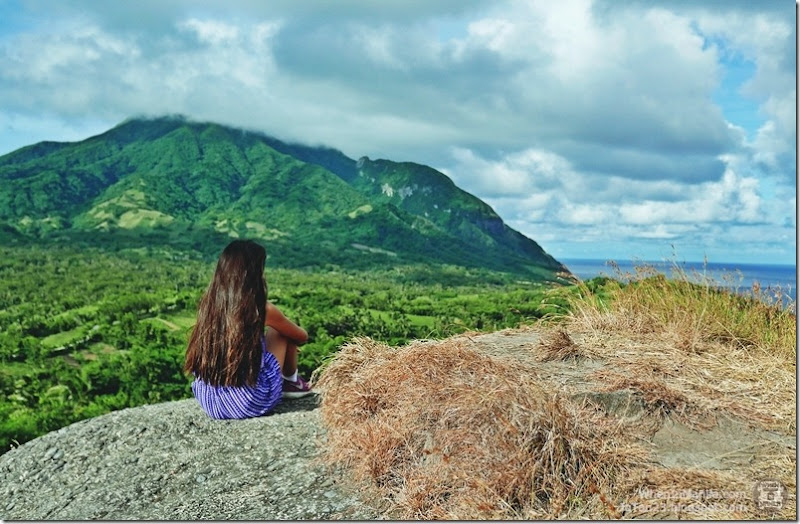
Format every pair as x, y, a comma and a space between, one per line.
170, 461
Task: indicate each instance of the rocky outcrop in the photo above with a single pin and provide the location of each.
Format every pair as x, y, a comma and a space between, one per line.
171, 462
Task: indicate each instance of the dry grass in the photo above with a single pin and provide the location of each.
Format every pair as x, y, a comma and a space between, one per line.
721, 351
658, 398
688, 494
443, 432
692, 307
558, 345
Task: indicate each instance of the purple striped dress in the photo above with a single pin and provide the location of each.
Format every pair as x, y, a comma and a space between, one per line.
226, 402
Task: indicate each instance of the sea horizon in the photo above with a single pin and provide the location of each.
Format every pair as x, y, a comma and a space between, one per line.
738, 276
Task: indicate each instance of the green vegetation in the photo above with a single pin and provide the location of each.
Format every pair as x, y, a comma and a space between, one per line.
112, 240
89, 329
190, 185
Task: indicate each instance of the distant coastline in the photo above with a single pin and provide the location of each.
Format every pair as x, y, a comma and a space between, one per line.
732, 275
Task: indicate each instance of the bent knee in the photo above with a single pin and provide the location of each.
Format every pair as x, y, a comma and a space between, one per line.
275, 338
277, 344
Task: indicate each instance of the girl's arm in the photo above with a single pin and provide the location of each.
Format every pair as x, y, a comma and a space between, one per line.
278, 321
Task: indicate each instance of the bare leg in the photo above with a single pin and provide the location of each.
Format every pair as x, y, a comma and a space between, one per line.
285, 352
277, 345
290, 364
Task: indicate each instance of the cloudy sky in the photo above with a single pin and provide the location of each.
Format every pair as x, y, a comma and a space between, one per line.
625, 130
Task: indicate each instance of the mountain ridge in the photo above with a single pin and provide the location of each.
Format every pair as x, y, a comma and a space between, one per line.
177, 179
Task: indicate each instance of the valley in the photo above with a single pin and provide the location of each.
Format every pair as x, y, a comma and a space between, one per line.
87, 330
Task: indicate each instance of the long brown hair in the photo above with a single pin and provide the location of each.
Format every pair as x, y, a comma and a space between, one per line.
225, 344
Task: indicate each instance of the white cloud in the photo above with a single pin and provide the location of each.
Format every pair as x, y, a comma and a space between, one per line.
493, 34
576, 213
580, 119
538, 190
377, 45
767, 41
524, 172
211, 32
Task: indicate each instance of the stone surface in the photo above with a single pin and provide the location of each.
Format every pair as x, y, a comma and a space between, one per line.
171, 462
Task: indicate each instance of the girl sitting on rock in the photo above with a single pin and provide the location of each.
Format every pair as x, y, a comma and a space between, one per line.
241, 368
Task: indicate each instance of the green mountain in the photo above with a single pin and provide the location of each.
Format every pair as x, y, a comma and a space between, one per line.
200, 184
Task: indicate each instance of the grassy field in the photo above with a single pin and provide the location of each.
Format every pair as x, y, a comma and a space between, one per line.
178, 321
64, 337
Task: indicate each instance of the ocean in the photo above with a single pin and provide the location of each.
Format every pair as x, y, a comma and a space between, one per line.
735, 276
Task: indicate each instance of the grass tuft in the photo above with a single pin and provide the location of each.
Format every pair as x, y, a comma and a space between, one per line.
692, 307
558, 345
442, 431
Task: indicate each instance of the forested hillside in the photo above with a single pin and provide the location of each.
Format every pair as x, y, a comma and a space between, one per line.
196, 185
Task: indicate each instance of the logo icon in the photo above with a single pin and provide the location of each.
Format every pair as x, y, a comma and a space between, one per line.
769, 495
